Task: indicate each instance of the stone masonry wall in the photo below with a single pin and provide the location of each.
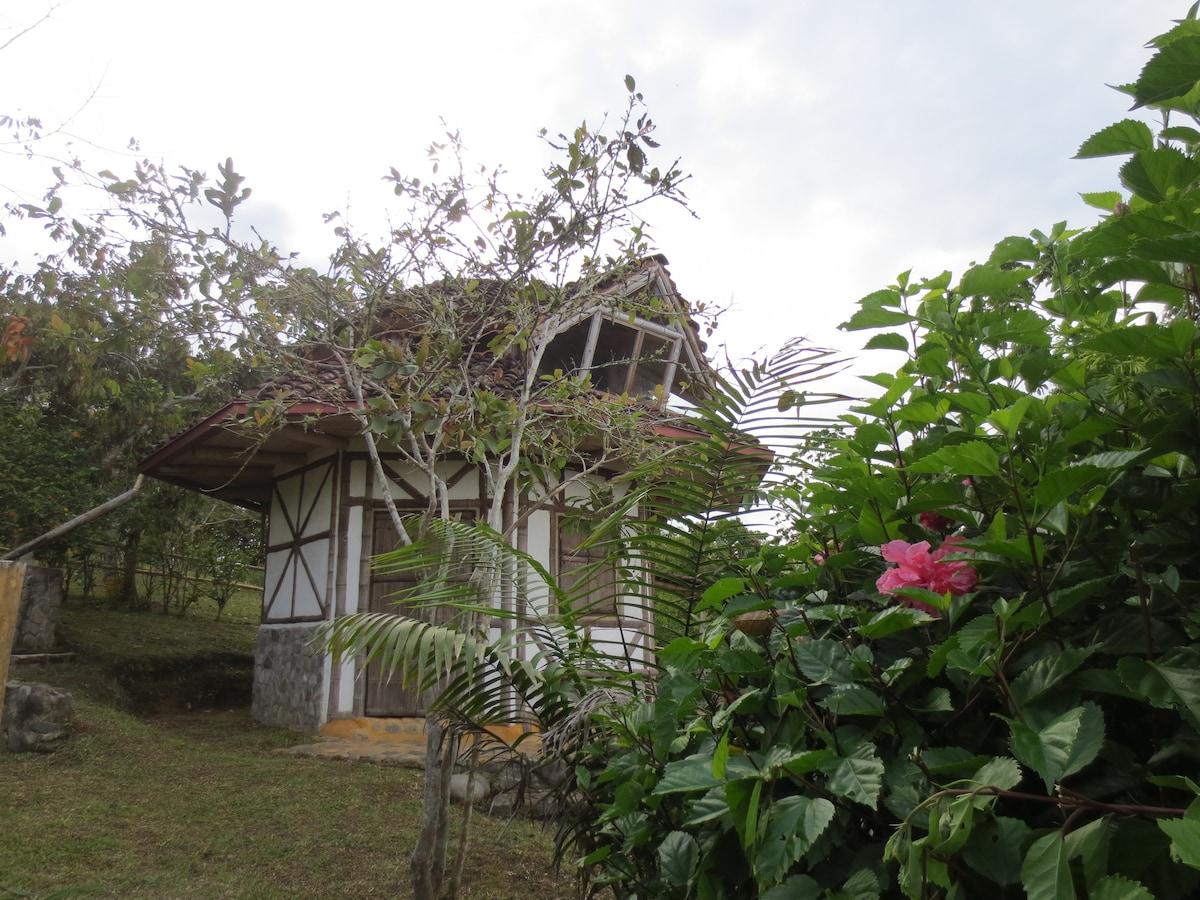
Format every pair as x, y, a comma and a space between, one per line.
289, 689
41, 598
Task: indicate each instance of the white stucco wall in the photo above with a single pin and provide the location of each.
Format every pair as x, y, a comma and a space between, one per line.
311, 514
301, 534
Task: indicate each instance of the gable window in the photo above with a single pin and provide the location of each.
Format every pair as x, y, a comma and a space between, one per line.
635, 357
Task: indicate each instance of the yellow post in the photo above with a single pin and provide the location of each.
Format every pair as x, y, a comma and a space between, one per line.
12, 579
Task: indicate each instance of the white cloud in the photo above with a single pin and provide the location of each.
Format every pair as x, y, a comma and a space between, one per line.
833, 145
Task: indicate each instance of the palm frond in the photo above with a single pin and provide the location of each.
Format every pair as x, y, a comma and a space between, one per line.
716, 474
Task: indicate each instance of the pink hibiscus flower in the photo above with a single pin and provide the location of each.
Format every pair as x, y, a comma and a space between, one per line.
917, 567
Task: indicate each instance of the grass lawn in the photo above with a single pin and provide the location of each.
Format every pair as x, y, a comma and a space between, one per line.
196, 804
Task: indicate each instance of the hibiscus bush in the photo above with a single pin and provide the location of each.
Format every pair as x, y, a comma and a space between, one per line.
972, 669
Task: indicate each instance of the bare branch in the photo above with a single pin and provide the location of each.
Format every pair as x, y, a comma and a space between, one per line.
24, 31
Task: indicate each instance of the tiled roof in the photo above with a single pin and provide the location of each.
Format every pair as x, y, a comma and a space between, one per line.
191, 458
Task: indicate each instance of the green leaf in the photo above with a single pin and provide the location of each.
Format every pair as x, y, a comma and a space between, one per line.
1000, 772
743, 797
953, 828
1008, 420
923, 412
1185, 840
1046, 872
1090, 845
861, 885
892, 620
1180, 133
1172, 72
1048, 672
1118, 887
793, 825
1088, 741
798, 887
627, 798
795, 762
858, 777
1015, 326
996, 849
976, 404
855, 701
1105, 200
972, 458
937, 700
1163, 686
1015, 548
992, 280
1013, 249
912, 867
1055, 519
824, 662
998, 529
1058, 485
1182, 248
683, 653
720, 758
1142, 341
888, 340
878, 310
871, 528
678, 857
1065, 599
1047, 751
1115, 459
940, 602
711, 806
1159, 174
1126, 136
684, 775
722, 590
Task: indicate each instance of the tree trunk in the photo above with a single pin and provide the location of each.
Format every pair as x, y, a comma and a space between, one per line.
460, 852
429, 855
129, 591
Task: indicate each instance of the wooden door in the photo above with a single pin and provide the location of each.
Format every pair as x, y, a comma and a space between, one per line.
387, 696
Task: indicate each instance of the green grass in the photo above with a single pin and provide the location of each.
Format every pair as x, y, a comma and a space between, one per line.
199, 805
114, 634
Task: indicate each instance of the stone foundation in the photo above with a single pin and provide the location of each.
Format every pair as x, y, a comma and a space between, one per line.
41, 598
289, 678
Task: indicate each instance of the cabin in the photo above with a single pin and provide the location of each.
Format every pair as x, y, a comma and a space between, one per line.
324, 511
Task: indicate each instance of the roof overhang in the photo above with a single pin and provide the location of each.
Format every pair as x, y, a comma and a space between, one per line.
229, 456
224, 457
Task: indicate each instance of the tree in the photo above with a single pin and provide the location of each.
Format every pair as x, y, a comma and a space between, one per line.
94, 370
477, 281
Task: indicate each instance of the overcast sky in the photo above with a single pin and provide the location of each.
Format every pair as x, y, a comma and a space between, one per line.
832, 145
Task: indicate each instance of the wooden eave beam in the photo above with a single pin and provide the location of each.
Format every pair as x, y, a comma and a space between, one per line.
321, 439
257, 458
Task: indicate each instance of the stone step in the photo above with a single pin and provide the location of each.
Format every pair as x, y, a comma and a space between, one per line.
41, 658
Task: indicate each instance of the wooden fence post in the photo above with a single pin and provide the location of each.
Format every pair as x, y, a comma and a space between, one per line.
12, 579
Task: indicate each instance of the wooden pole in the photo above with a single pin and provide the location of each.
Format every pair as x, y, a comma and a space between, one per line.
82, 519
12, 579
